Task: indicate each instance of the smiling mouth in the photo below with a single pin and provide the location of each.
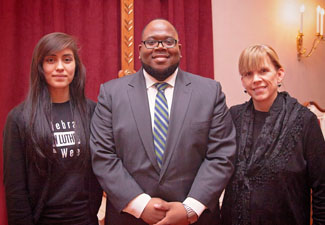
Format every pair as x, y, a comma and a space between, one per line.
160, 56
259, 88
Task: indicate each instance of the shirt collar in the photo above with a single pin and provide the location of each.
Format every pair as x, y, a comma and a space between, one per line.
150, 80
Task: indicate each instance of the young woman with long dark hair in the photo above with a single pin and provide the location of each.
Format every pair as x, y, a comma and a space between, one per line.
47, 172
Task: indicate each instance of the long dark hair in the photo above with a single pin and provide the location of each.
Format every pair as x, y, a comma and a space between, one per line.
38, 105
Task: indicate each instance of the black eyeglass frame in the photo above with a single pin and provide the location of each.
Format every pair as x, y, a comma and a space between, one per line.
160, 42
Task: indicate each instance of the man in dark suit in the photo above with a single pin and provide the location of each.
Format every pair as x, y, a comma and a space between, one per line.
163, 142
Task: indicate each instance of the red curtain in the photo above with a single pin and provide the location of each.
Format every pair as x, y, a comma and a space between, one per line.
96, 25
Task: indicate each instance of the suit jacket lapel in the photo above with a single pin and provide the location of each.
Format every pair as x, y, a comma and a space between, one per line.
181, 100
140, 108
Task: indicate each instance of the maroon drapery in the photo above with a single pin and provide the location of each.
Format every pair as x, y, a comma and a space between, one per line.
96, 25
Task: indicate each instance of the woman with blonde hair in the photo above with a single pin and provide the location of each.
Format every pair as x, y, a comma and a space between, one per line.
280, 151
47, 172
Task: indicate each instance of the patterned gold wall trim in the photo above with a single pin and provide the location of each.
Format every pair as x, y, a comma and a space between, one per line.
127, 38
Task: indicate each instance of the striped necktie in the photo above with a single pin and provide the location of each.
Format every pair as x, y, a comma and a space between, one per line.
161, 119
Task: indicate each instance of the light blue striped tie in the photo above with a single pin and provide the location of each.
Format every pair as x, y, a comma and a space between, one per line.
161, 119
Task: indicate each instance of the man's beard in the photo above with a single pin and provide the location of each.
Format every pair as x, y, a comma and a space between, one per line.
160, 75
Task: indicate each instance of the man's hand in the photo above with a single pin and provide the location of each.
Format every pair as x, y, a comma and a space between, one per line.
175, 215
153, 212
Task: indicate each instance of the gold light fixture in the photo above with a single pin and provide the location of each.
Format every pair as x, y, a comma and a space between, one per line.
302, 52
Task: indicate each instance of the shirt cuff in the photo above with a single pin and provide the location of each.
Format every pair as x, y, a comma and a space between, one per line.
197, 206
137, 205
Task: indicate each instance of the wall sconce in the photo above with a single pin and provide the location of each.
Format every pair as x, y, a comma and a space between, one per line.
319, 33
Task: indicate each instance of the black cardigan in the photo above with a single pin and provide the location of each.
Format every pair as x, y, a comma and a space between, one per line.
25, 199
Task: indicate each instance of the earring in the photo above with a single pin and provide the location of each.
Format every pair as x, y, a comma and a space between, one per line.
245, 91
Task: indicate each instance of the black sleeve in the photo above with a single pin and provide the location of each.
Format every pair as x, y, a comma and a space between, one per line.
91, 105
95, 197
314, 145
95, 190
235, 111
15, 174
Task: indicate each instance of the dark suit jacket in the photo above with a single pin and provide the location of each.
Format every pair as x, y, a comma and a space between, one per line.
198, 160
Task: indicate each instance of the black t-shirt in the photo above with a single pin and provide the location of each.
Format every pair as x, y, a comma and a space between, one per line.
67, 200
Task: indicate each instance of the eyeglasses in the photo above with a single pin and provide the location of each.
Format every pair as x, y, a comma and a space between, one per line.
168, 43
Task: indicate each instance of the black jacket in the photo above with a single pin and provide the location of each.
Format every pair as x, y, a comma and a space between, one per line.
26, 190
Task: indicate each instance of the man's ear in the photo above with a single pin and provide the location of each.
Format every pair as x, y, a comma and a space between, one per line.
180, 50
139, 48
